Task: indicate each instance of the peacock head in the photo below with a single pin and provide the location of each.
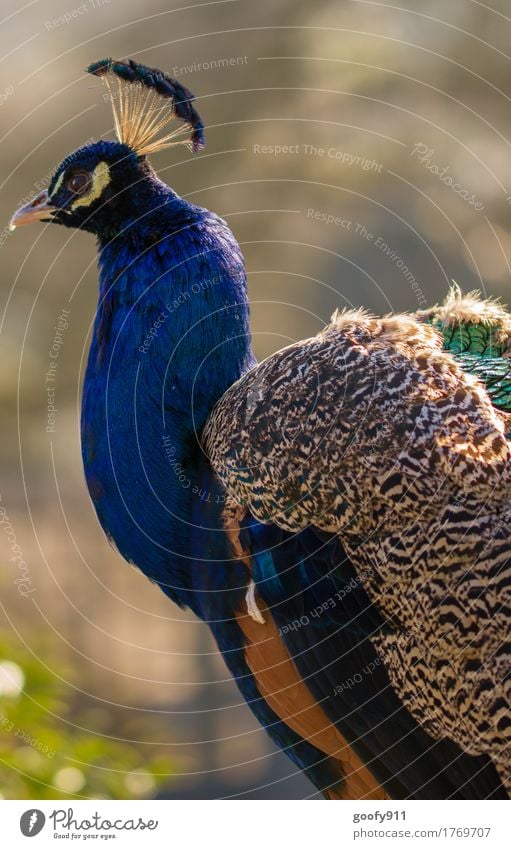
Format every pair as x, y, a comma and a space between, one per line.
104, 185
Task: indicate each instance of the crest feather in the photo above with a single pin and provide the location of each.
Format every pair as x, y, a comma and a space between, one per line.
144, 102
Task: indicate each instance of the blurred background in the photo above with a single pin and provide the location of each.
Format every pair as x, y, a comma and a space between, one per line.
360, 151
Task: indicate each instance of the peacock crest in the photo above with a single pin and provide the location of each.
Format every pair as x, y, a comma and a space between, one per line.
145, 101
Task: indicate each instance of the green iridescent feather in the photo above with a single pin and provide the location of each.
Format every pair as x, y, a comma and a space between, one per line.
477, 333
477, 339
494, 372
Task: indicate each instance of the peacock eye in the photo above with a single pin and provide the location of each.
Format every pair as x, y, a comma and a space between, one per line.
78, 182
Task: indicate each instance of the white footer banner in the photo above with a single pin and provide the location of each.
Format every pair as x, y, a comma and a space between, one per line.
251, 824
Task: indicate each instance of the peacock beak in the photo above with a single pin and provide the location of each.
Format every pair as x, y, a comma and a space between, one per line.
38, 209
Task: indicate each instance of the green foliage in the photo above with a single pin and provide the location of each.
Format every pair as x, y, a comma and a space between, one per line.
52, 747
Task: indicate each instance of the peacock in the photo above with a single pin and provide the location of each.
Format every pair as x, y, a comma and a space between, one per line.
338, 514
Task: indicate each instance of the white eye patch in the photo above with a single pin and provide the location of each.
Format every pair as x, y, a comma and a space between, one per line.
99, 182
56, 186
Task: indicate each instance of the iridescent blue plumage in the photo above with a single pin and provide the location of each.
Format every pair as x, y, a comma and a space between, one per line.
179, 270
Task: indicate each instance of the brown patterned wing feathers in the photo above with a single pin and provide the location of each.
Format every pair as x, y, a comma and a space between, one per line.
371, 431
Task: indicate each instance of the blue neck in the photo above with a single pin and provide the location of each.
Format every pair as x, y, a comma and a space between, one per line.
171, 335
